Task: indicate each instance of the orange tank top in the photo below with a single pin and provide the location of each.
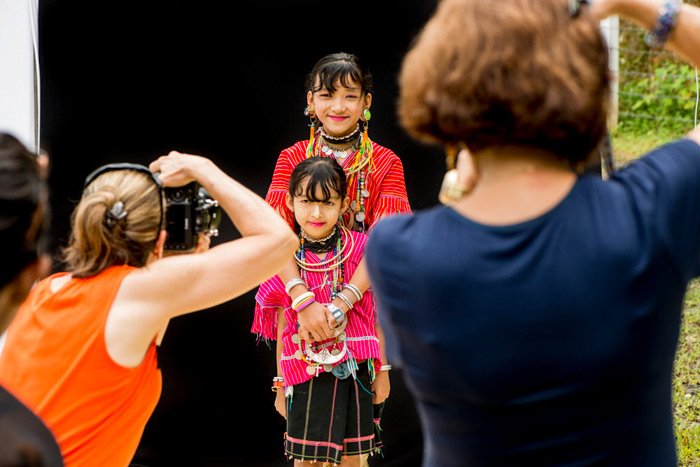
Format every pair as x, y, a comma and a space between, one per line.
55, 360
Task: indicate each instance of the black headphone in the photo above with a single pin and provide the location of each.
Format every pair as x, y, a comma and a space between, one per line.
138, 168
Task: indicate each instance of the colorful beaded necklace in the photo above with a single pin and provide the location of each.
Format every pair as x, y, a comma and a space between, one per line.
338, 254
324, 354
356, 173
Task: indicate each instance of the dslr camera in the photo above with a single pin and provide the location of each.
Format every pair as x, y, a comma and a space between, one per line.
190, 211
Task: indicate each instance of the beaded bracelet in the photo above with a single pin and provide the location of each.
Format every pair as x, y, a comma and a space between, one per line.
385, 368
304, 304
668, 14
277, 383
302, 298
293, 283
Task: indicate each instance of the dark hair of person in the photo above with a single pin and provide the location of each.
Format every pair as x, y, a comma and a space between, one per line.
99, 240
343, 68
21, 207
325, 175
504, 73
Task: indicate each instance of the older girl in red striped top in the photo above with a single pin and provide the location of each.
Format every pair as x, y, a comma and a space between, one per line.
339, 95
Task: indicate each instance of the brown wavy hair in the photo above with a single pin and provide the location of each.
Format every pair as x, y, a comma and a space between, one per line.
95, 243
508, 73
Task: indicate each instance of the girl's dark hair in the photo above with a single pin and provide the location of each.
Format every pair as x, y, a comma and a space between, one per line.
324, 172
21, 198
339, 67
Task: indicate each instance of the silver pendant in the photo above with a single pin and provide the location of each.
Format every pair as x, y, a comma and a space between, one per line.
298, 354
311, 370
365, 193
353, 205
325, 356
295, 338
360, 217
327, 368
340, 154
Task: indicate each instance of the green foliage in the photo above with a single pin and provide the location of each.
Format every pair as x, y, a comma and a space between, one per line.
664, 98
628, 145
657, 90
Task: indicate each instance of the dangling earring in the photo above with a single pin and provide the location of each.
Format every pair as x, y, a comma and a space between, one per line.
364, 122
452, 189
364, 125
309, 112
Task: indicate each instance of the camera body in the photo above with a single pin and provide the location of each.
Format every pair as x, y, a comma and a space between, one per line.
190, 210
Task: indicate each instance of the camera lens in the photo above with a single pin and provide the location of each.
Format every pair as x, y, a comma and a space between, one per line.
177, 195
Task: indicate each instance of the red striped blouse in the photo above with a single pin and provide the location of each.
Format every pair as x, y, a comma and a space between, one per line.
385, 184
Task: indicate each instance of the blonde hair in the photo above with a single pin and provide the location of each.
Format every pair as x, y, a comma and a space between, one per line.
508, 73
97, 242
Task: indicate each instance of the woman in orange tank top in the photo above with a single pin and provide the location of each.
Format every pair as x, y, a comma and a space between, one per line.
82, 350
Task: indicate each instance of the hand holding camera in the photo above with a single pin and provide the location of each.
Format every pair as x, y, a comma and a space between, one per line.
191, 212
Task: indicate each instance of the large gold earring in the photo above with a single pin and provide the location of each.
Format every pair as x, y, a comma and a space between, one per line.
451, 189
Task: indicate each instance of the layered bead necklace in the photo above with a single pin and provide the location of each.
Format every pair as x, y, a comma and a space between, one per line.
357, 142
338, 250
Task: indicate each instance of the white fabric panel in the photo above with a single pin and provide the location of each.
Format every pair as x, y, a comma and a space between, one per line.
18, 61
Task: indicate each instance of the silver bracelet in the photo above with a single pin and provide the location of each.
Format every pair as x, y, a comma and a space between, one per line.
385, 368
355, 291
293, 283
345, 299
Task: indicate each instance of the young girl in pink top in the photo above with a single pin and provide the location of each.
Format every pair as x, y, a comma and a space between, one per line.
325, 389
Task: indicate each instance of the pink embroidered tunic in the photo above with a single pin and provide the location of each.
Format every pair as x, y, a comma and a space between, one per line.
362, 341
384, 185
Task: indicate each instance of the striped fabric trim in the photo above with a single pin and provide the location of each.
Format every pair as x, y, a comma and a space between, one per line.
385, 183
337, 447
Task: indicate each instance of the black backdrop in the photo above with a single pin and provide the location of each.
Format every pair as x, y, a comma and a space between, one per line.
130, 80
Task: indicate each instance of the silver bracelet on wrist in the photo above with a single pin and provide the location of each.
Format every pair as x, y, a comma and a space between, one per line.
355, 291
293, 283
344, 299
